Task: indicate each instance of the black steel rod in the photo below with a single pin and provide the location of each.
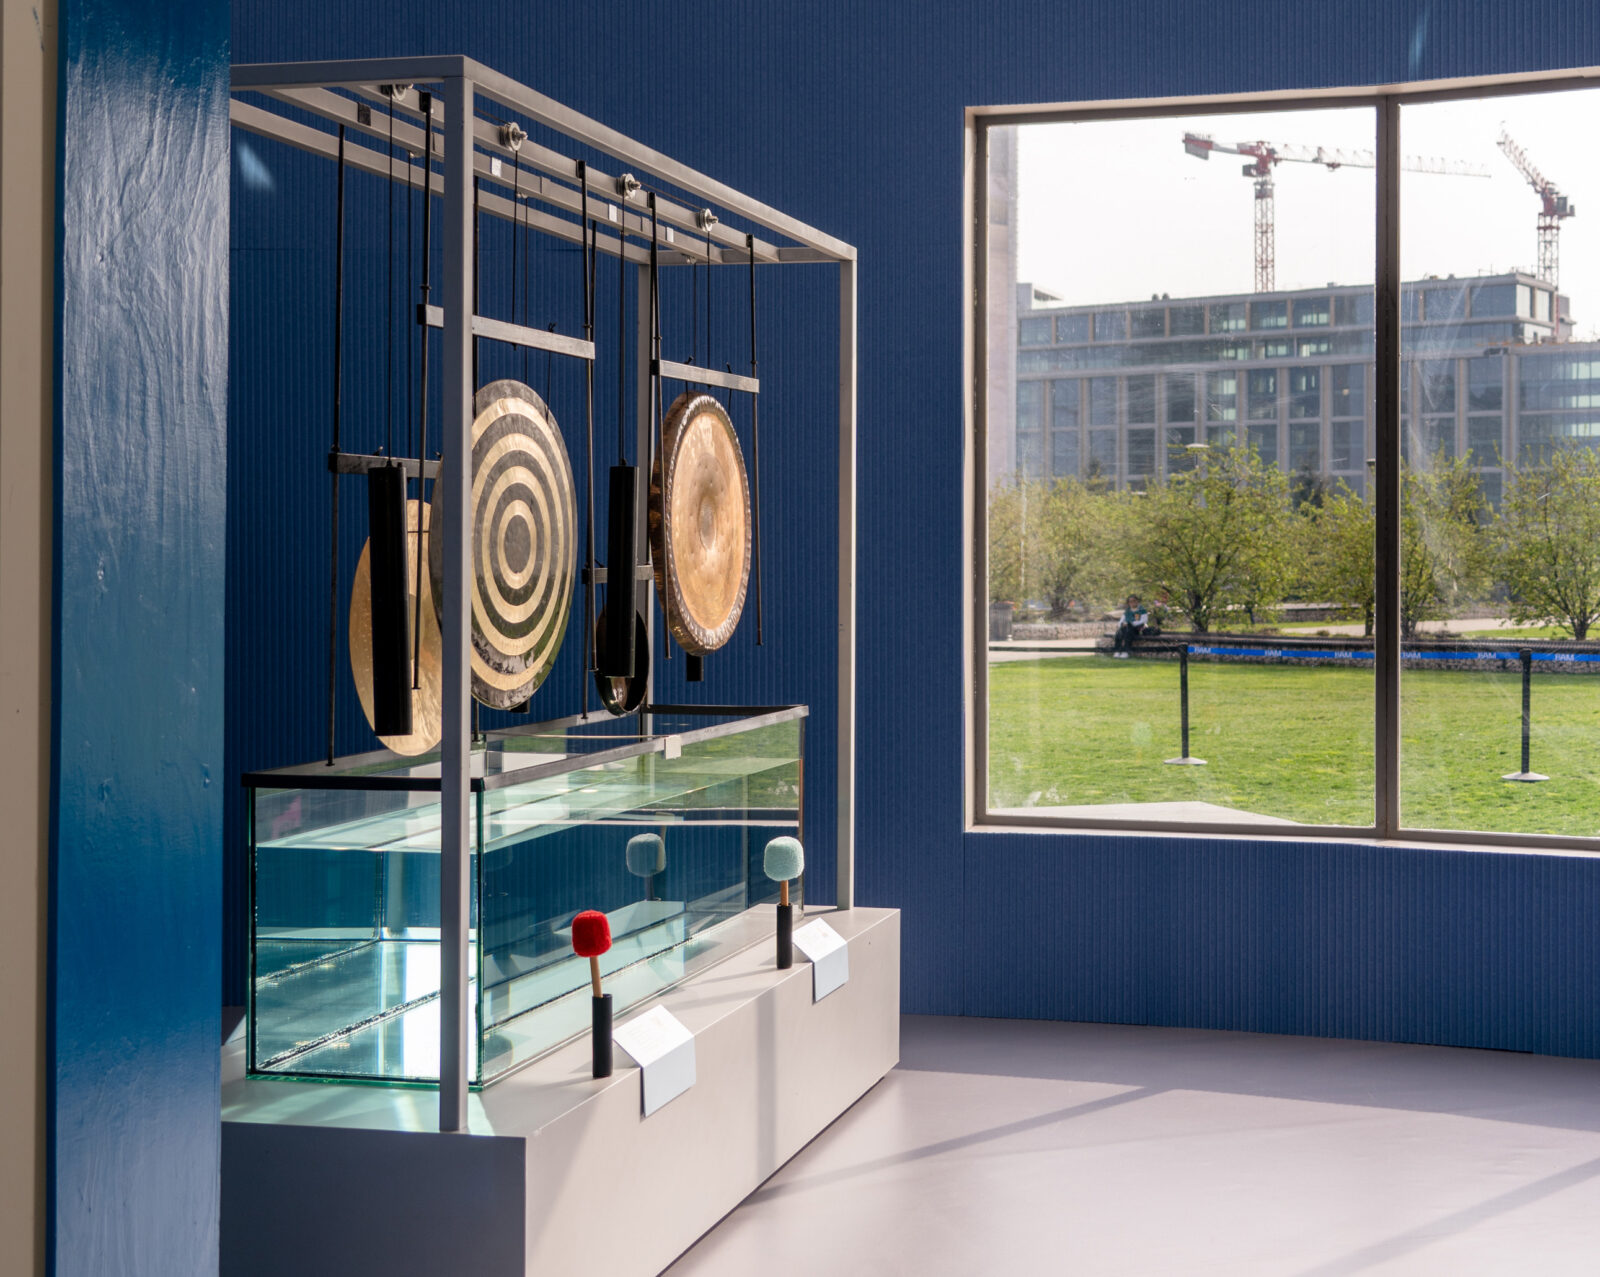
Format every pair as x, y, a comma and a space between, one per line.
477, 220
755, 463
333, 479
1527, 703
1183, 695
422, 436
622, 362
655, 385
589, 254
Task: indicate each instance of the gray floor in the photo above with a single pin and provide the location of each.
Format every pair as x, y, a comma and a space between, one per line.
1012, 1147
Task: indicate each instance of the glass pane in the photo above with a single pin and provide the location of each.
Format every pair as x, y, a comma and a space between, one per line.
1064, 452
1141, 451
1180, 397
346, 926
1141, 398
1064, 404
1187, 321
1204, 432
1500, 536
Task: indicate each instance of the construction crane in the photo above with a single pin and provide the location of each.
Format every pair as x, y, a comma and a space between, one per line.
1554, 208
1265, 156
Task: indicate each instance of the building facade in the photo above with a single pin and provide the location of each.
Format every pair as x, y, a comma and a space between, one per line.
1119, 392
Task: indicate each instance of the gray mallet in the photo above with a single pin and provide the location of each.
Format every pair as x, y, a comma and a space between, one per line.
785, 858
647, 856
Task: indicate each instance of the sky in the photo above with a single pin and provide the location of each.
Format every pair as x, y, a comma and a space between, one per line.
1117, 211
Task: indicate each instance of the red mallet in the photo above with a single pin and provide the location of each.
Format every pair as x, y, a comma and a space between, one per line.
591, 937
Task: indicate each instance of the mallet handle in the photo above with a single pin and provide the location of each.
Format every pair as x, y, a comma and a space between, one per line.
783, 892
594, 974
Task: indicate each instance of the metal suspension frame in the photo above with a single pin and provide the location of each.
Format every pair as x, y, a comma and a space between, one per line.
571, 197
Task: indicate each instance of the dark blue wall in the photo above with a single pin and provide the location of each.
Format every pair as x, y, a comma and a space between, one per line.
849, 116
141, 345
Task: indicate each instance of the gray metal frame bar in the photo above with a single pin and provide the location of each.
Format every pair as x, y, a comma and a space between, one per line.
728, 245
455, 832
1386, 479
845, 847
695, 375
542, 110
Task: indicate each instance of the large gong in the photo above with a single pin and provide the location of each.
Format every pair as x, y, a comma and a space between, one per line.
426, 695
523, 525
700, 524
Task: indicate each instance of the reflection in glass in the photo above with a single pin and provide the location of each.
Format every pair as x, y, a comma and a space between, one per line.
1501, 519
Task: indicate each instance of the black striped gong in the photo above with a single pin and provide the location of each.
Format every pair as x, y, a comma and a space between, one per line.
524, 528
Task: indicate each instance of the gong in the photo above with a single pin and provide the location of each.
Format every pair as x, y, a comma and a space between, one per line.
700, 524
427, 694
524, 530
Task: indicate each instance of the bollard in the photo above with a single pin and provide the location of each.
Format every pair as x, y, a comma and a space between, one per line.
1183, 711
1527, 773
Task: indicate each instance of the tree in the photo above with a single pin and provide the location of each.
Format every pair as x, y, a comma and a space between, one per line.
1079, 556
1008, 535
1056, 540
1217, 538
1442, 562
1339, 558
1548, 542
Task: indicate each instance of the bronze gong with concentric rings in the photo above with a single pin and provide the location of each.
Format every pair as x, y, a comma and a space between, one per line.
700, 524
524, 529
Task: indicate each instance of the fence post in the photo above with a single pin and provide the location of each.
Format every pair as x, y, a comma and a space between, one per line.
1527, 773
1183, 711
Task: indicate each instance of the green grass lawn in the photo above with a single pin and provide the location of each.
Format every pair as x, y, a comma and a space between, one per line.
1539, 632
1293, 742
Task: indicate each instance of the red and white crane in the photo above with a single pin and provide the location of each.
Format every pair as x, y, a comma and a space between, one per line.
1554, 208
1265, 156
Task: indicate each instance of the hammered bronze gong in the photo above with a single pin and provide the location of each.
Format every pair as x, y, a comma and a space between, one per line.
524, 529
427, 691
700, 524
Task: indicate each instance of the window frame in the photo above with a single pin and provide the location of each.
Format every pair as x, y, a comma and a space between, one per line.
1387, 103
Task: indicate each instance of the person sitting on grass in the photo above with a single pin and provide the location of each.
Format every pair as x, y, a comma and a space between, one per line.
1133, 622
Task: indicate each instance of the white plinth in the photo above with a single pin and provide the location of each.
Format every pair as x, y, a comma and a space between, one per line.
560, 1172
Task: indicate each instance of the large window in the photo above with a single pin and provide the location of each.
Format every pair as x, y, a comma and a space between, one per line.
1294, 560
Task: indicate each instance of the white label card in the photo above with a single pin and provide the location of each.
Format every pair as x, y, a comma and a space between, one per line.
829, 954
663, 1048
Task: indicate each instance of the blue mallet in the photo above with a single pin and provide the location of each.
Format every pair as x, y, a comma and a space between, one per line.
785, 859
647, 856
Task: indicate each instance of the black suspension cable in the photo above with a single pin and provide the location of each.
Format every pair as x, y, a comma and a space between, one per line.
755, 435
477, 227
655, 375
388, 354
527, 284
411, 292
338, 409
422, 315
516, 221
622, 332
589, 247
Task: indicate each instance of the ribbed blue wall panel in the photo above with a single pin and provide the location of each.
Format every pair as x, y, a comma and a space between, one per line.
849, 116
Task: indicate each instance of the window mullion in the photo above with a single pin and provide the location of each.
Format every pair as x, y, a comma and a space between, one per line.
1386, 472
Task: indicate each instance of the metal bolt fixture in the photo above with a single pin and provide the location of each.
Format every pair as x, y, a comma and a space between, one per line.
395, 92
512, 136
627, 185
705, 219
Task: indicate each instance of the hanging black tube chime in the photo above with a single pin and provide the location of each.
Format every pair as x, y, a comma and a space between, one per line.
391, 628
